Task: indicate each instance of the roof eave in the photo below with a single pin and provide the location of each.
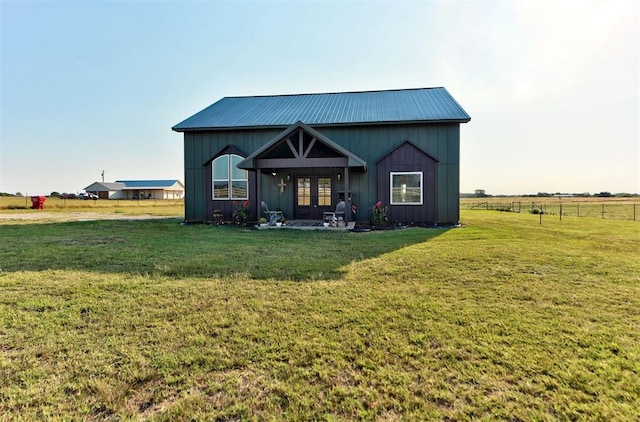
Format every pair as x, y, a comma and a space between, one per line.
285, 126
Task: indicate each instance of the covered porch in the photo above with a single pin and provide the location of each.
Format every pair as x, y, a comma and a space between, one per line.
305, 175
310, 225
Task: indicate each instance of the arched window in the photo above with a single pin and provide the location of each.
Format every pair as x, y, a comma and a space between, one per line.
229, 182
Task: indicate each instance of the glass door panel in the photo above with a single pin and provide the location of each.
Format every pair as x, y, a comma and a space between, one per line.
304, 191
324, 191
313, 197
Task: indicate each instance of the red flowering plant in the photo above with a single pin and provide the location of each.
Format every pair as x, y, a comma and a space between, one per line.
379, 215
241, 212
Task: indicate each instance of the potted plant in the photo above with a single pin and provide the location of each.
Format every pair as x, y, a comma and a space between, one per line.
218, 216
263, 222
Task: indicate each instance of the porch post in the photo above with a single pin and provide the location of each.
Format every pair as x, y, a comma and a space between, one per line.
347, 199
258, 197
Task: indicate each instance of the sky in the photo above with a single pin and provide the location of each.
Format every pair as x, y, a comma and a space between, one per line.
552, 87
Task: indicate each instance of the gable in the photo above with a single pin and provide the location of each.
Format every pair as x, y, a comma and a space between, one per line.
229, 149
301, 146
407, 153
104, 187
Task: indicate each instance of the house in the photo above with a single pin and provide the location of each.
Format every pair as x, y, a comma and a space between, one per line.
106, 190
138, 189
304, 153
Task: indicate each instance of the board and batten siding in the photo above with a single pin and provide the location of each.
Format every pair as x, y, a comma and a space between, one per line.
199, 148
408, 158
371, 142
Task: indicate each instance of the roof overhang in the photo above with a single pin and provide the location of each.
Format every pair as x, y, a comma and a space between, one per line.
320, 125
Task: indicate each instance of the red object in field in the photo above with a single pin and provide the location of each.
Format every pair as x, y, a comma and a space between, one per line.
38, 202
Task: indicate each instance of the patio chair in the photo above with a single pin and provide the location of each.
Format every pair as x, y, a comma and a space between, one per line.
272, 216
333, 216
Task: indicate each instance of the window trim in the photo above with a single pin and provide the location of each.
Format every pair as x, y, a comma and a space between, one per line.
229, 179
394, 173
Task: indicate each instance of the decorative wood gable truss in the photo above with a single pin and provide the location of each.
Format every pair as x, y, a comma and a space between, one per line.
301, 146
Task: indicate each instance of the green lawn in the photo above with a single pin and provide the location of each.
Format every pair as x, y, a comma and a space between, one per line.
503, 318
14, 204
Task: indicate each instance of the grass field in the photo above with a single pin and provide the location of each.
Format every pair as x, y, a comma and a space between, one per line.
612, 208
18, 205
503, 318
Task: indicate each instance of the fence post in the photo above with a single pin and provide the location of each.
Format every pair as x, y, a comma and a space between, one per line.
603, 211
560, 212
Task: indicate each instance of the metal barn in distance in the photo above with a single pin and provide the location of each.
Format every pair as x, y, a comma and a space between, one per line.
302, 154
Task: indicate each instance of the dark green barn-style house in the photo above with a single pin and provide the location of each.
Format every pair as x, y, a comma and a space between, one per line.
303, 153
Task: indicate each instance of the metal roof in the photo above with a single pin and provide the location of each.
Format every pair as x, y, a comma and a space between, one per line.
147, 184
105, 186
342, 108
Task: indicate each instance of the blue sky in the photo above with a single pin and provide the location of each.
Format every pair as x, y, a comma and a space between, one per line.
552, 86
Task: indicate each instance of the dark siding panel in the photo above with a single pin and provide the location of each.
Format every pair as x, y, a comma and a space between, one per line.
191, 194
443, 140
443, 194
200, 147
409, 158
371, 143
453, 214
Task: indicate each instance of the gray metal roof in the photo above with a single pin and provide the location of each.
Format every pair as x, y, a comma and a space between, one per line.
104, 186
342, 108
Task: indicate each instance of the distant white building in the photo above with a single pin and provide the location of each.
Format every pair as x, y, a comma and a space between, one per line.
138, 189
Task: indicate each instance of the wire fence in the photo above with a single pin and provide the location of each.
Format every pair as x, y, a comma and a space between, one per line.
602, 210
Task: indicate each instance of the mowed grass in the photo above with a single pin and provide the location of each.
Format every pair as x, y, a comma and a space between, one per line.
500, 319
18, 205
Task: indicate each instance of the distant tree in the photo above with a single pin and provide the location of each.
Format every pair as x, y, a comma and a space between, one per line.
480, 193
604, 194
19, 194
55, 194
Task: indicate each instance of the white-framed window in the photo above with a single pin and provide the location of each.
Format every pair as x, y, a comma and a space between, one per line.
229, 182
406, 188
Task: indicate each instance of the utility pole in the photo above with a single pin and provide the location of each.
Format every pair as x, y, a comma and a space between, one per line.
102, 176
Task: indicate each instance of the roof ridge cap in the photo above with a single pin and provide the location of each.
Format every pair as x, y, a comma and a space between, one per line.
334, 93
